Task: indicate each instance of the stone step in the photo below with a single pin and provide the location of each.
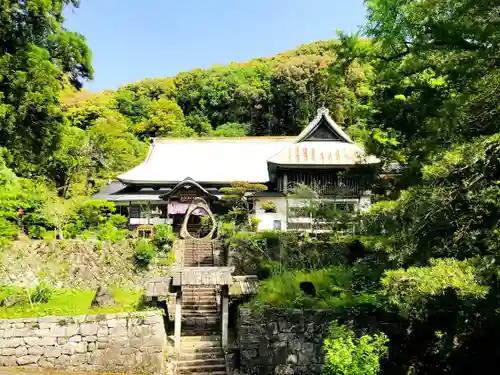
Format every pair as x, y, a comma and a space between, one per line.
194, 350
201, 362
198, 303
200, 313
202, 368
196, 313
212, 338
193, 319
201, 332
200, 260
201, 346
193, 327
201, 355
201, 299
194, 265
198, 264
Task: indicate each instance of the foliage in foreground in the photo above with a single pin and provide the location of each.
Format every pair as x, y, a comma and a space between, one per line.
63, 302
348, 355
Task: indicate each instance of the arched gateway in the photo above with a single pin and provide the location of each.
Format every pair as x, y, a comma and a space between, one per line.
189, 209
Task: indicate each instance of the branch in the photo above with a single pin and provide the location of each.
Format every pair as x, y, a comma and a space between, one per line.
397, 55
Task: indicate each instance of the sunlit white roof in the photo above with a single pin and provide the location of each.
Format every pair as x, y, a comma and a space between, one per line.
207, 160
224, 160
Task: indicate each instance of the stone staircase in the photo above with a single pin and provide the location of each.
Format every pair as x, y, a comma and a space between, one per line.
201, 350
199, 311
201, 355
198, 253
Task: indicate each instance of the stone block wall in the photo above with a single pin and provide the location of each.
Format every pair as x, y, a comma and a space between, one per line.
282, 342
125, 342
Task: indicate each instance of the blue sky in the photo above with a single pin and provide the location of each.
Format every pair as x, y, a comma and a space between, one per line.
132, 40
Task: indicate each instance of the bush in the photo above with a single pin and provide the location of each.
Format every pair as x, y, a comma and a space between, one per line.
164, 237
347, 355
254, 224
269, 206
108, 232
118, 221
36, 232
8, 229
333, 290
144, 253
42, 293
94, 212
72, 230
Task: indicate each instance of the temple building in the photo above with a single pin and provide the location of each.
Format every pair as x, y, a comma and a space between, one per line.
176, 171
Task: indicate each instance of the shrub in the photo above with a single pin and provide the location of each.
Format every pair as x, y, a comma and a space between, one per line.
144, 253
72, 230
348, 355
118, 221
269, 206
333, 289
110, 233
36, 232
42, 293
8, 229
164, 236
254, 224
409, 289
226, 229
94, 212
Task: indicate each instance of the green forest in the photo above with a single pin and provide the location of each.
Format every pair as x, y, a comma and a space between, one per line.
419, 84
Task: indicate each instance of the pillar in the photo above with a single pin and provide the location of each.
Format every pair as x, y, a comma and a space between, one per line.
178, 321
225, 315
285, 183
129, 212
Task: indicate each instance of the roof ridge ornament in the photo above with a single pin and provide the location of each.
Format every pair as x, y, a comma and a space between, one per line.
323, 111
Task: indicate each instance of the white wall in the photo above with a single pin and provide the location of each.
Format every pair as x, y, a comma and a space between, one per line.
267, 218
144, 220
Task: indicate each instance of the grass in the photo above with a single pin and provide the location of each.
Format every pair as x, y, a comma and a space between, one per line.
334, 290
64, 302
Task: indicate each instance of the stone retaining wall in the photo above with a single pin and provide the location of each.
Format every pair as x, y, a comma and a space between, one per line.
282, 341
125, 342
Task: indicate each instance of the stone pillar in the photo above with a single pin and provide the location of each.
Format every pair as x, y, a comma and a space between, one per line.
225, 315
285, 183
216, 253
178, 321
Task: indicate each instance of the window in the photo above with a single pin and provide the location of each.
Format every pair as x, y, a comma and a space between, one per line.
277, 225
135, 211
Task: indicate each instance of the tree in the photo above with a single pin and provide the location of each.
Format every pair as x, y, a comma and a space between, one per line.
38, 54
238, 193
59, 211
231, 130
166, 119
200, 124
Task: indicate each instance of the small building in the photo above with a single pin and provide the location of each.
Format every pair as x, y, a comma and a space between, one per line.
178, 170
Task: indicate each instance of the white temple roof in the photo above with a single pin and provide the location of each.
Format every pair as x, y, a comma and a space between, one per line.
207, 160
223, 160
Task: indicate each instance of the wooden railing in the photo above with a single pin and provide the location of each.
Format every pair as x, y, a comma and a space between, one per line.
347, 188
